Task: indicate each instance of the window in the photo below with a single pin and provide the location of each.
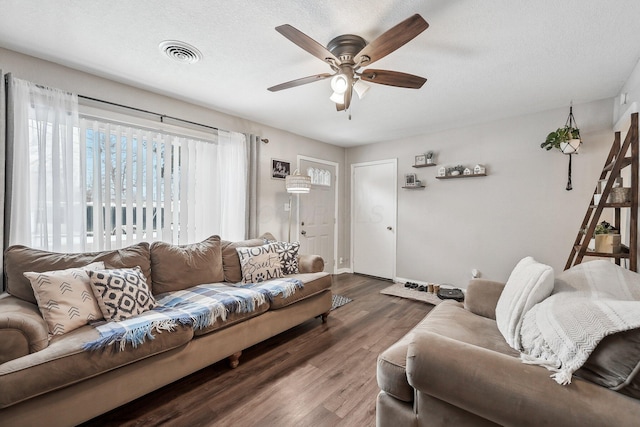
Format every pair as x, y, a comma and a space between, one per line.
146, 185
319, 176
90, 183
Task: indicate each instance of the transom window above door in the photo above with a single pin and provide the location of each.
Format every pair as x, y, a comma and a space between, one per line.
319, 176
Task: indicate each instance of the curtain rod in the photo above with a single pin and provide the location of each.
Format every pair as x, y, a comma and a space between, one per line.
162, 116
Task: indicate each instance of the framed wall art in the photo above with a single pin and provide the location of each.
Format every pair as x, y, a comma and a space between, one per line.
410, 180
280, 169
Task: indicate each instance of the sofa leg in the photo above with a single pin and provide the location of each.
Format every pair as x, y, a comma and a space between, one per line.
234, 360
324, 316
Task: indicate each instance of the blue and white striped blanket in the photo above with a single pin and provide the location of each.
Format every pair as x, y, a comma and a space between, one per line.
199, 306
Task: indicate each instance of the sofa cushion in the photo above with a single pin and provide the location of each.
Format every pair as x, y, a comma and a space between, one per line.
231, 261
314, 283
177, 267
20, 259
233, 318
122, 292
449, 319
260, 263
64, 362
615, 363
529, 283
65, 297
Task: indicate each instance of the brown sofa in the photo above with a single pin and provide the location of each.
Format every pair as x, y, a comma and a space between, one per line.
455, 369
53, 380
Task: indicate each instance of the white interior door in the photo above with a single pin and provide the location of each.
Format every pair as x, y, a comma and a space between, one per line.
317, 222
373, 218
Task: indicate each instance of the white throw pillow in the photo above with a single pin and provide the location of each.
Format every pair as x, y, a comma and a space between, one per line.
65, 298
260, 263
529, 283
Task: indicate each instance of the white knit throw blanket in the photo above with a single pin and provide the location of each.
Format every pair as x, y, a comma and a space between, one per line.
590, 301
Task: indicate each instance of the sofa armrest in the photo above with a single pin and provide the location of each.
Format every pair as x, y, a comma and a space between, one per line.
22, 328
310, 263
506, 391
482, 297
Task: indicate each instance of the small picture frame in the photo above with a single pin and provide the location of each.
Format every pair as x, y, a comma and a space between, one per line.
421, 159
410, 180
280, 169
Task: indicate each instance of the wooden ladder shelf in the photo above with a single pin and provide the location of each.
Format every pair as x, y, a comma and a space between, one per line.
616, 161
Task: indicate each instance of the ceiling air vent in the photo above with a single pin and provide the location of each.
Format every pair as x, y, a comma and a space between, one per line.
180, 51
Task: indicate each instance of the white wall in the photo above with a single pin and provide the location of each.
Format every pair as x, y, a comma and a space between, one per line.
520, 209
451, 226
628, 100
283, 145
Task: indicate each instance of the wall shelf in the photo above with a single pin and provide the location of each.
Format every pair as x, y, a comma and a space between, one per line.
414, 187
424, 166
461, 176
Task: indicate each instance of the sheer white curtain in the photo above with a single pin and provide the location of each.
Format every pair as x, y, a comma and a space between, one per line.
233, 163
47, 193
213, 186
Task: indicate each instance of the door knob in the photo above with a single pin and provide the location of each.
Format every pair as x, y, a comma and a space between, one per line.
389, 228
304, 233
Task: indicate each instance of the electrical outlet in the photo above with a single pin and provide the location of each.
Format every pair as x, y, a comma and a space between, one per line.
475, 273
287, 208
341, 260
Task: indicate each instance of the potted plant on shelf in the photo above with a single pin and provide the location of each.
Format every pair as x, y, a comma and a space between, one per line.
607, 240
429, 157
565, 139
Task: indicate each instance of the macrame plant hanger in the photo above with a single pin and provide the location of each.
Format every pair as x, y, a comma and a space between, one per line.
569, 148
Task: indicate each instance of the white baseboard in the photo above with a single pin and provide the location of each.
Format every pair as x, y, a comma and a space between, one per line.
344, 270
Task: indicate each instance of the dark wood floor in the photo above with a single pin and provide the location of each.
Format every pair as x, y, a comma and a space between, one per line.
312, 375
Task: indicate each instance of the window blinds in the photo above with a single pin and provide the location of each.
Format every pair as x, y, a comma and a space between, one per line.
146, 185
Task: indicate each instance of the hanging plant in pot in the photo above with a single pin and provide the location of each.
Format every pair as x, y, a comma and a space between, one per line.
565, 139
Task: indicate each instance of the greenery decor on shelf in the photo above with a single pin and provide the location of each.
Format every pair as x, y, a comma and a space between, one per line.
602, 228
607, 238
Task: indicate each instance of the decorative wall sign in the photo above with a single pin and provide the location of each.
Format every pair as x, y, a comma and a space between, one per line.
280, 169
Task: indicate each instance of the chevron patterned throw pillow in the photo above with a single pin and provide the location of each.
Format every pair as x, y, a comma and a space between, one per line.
65, 298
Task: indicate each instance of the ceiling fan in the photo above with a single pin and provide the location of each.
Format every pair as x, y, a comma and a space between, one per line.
347, 53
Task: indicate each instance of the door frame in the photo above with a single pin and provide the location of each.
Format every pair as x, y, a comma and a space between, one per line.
336, 204
394, 162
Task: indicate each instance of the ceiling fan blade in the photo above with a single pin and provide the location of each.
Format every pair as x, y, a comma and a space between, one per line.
393, 78
392, 39
307, 43
340, 107
299, 82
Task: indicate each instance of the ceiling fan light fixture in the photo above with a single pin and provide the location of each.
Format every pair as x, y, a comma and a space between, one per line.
340, 83
361, 88
338, 98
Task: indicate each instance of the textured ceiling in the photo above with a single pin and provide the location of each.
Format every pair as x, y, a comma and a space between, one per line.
484, 60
